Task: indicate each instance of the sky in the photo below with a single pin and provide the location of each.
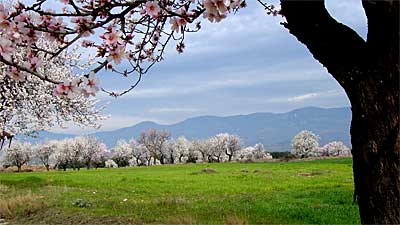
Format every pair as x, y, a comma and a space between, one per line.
247, 63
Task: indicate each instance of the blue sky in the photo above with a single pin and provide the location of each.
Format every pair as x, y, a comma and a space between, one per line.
247, 63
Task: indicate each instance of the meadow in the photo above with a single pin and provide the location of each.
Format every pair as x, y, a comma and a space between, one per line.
297, 192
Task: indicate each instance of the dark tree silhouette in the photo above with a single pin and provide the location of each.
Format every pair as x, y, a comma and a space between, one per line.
369, 73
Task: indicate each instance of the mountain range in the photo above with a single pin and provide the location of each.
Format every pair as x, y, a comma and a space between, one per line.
274, 130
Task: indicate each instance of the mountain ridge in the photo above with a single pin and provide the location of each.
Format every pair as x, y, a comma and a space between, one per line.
274, 130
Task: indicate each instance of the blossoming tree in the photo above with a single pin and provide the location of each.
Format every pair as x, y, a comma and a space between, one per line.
137, 32
335, 148
122, 153
18, 154
305, 144
182, 148
45, 152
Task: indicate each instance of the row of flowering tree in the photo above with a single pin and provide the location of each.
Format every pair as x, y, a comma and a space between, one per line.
82, 151
151, 148
156, 147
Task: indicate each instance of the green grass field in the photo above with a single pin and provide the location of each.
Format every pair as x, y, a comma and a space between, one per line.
311, 192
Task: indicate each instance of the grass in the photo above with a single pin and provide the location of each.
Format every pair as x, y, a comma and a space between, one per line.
312, 192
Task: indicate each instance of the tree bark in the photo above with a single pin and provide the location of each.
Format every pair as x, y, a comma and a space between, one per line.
369, 73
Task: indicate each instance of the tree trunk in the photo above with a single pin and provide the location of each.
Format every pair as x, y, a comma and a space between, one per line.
369, 73
48, 167
229, 155
376, 151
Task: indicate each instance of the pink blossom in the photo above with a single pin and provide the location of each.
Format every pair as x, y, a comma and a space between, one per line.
15, 74
113, 37
152, 9
174, 24
68, 88
6, 48
90, 85
216, 10
35, 62
117, 54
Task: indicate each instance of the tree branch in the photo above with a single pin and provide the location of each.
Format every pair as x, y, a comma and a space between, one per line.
334, 45
383, 29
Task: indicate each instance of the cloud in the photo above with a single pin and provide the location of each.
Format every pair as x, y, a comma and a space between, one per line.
225, 77
304, 97
301, 98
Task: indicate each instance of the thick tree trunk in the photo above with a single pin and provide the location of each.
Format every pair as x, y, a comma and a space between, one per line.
376, 144
369, 73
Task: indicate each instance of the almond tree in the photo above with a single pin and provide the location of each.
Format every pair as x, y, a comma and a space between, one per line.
260, 153
140, 153
45, 152
138, 32
203, 148
93, 150
100, 157
169, 149
182, 146
62, 155
256, 152
305, 144
18, 154
218, 146
122, 153
76, 147
154, 141
335, 148
246, 153
233, 146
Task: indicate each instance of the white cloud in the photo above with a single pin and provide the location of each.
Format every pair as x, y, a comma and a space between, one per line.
301, 98
304, 97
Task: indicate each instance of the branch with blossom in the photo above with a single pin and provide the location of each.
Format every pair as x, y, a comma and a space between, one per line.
29, 104
129, 37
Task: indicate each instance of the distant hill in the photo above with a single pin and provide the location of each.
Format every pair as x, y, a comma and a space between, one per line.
274, 130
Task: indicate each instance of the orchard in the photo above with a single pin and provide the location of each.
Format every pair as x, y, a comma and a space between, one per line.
130, 36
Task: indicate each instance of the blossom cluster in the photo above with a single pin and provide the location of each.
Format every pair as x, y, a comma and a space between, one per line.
86, 85
217, 10
31, 104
